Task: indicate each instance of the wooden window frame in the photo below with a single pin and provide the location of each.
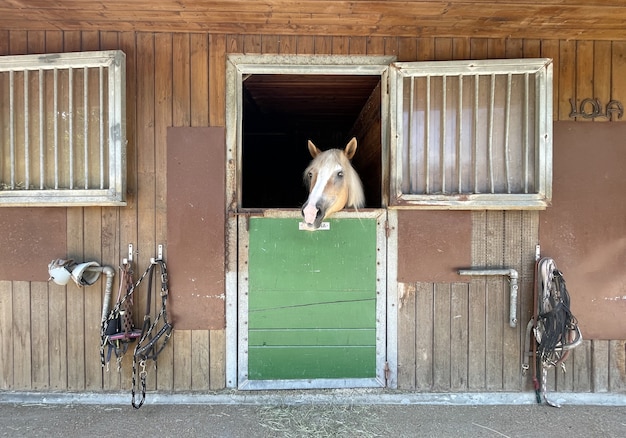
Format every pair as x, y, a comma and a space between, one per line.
64, 143
539, 140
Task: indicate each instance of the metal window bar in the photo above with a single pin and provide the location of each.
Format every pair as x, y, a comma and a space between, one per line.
411, 134
507, 125
525, 136
45, 112
459, 138
41, 132
12, 127
492, 91
475, 123
442, 131
56, 128
26, 140
86, 127
70, 128
427, 137
101, 123
410, 148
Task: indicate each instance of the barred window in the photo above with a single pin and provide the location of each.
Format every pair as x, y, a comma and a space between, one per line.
472, 134
62, 129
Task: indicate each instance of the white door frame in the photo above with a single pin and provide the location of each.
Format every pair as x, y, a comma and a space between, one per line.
238, 67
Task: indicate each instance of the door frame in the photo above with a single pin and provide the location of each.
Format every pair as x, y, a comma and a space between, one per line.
237, 68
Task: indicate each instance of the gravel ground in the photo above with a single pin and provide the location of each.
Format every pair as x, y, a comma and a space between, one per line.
312, 420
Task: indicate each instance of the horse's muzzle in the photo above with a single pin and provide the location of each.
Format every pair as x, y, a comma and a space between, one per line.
313, 215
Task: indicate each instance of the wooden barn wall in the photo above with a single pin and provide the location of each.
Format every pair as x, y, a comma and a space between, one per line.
450, 339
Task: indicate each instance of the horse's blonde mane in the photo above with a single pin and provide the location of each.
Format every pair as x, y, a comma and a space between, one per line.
356, 197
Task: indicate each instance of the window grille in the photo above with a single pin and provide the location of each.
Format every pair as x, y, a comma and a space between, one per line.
62, 129
472, 134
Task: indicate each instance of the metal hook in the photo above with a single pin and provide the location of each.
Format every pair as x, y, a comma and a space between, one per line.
159, 254
129, 260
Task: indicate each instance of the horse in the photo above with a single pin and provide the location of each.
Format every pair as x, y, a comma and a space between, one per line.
332, 183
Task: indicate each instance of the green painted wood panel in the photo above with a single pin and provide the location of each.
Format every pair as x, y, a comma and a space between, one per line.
310, 337
273, 363
311, 300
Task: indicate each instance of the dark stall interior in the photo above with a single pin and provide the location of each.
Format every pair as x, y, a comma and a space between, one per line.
281, 112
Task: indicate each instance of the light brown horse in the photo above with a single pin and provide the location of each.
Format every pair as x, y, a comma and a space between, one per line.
332, 183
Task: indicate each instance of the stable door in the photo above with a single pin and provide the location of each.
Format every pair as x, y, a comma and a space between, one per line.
312, 303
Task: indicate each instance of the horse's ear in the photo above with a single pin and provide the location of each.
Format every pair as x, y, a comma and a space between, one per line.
350, 148
313, 150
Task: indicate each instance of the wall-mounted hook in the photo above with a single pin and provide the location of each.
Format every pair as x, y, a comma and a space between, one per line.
159, 254
129, 260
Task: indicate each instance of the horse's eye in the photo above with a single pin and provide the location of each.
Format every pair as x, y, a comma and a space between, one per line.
310, 175
340, 174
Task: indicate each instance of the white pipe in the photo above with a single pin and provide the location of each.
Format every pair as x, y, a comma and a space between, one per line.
513, 276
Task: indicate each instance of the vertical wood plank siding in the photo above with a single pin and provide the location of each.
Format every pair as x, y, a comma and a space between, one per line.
451, 337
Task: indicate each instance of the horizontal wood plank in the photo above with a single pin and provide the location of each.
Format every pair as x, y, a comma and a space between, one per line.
476, 18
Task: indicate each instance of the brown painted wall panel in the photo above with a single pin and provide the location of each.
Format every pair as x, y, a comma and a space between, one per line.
433, 245
195, 227
29, 240
585, 229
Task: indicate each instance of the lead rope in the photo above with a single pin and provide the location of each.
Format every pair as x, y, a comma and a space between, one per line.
555, 328
117, 330
151, 349
534, 327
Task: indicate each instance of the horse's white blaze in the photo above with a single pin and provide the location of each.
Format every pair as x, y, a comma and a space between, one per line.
310, 211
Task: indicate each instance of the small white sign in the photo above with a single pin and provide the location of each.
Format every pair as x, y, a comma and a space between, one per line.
324, 226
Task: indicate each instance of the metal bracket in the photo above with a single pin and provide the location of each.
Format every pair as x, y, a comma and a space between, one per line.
129, 260
159, 254
513, 276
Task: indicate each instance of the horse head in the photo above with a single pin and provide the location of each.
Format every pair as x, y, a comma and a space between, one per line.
332, 183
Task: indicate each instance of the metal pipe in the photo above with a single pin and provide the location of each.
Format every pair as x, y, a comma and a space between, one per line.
513, 276
110, 273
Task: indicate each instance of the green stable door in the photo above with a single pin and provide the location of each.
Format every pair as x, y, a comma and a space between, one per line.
313, 305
